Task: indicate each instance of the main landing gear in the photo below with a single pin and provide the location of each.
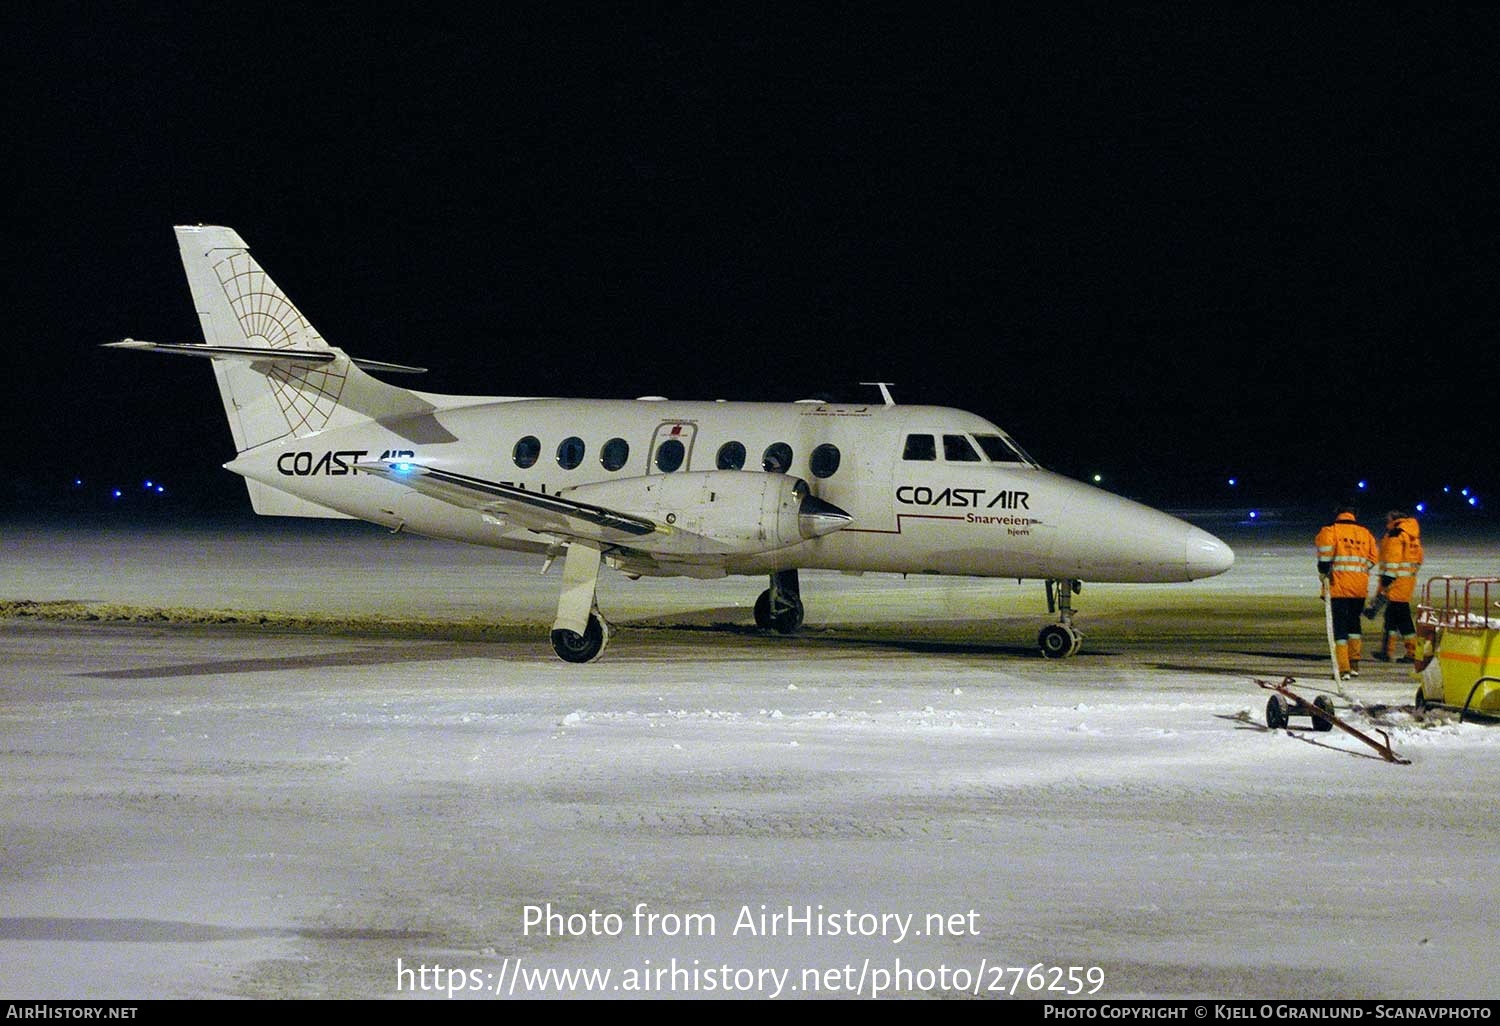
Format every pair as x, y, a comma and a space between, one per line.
579, 634
1060, 640
779, 607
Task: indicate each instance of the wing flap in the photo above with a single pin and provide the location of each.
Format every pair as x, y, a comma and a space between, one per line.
535, 511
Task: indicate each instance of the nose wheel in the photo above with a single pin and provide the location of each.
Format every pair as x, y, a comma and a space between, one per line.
1060, 640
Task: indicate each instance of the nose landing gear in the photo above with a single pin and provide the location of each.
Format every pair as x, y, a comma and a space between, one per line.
1060, 640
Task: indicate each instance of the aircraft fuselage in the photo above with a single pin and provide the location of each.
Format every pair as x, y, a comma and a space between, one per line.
967, 515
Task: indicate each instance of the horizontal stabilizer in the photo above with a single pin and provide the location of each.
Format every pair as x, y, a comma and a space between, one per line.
259, 354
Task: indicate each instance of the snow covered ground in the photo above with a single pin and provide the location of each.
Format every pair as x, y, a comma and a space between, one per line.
394, 802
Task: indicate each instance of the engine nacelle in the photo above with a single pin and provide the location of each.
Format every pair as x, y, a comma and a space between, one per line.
718, 512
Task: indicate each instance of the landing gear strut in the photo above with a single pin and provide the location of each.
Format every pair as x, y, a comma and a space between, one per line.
1060, 640
579, 634
779, 607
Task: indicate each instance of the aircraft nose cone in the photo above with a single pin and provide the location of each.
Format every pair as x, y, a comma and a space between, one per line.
1206, 555
816, 517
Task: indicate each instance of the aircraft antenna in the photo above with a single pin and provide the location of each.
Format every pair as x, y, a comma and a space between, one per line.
885, 390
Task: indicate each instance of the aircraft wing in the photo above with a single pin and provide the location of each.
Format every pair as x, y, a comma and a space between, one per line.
689, 518
536, 511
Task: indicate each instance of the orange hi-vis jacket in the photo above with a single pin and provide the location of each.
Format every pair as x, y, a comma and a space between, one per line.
1346, 553
1400, 559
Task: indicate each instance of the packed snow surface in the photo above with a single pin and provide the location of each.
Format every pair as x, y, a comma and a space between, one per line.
382, 799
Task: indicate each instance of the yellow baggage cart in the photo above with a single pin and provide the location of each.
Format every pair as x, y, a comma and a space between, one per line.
1458, 644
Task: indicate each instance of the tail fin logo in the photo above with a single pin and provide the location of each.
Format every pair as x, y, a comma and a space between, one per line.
308, 394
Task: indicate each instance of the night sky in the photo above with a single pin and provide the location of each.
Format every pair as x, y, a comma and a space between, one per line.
1168, 246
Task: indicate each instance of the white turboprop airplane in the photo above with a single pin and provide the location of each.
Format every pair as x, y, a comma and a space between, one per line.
652, 486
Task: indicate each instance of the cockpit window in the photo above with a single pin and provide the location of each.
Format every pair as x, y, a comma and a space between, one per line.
958, 449
1002, 450
919, 447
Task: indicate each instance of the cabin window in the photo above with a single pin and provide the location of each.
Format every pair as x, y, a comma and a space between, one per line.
526, 451
919, 447
777, 459
615, 453
824, 461
570, 452
669, 455
958, 449
731, 456
1001, 450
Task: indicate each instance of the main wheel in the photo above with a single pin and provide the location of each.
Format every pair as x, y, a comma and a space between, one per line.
1276, 716
1326, 704
580, 648
788, 620
784, 622
1058, 641
763, 610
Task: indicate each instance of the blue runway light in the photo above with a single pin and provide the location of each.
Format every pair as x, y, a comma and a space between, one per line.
161, 490
1362, 485
118, 493
1421, 507
1233, 481
148, 486
1254, 514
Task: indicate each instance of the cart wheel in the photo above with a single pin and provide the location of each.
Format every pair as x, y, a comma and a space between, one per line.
1326, 704
1276, 712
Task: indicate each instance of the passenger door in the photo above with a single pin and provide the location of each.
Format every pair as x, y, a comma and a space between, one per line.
672, 446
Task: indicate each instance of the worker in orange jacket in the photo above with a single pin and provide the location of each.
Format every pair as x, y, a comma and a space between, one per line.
1400, 559
1346, 555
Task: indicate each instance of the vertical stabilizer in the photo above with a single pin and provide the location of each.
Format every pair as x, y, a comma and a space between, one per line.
239, 305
